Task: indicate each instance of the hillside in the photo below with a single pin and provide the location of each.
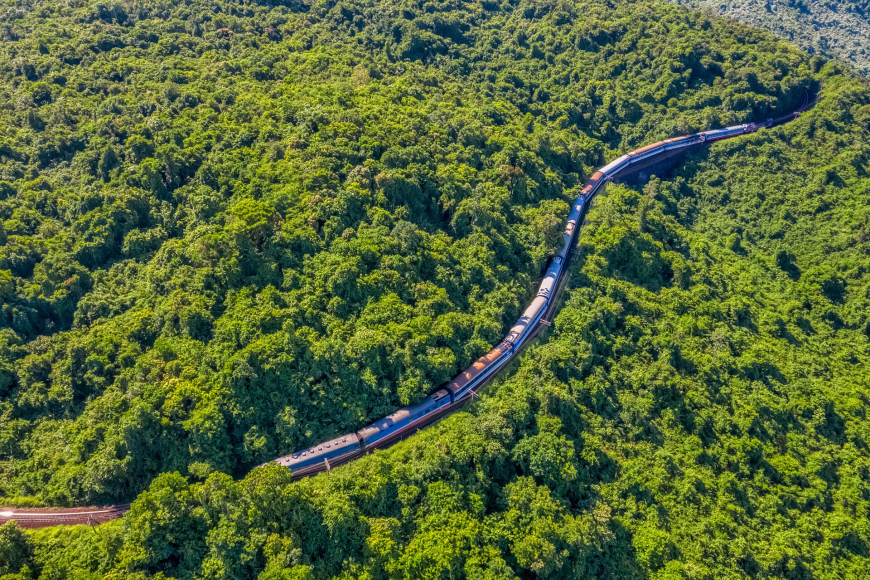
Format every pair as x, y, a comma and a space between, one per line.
835, 28
235, 229
233, 232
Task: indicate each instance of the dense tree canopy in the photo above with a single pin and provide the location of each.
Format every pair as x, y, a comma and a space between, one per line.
235, 229
835, 28
700, 410
232, 229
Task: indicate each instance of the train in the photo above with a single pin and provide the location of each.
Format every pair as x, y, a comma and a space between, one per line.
407, 420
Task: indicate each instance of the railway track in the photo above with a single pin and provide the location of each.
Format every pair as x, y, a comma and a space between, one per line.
464, 387
44, 517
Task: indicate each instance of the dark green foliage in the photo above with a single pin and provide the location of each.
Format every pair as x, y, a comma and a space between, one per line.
711, 427
248, 227
835, 28
233, 231
16, 551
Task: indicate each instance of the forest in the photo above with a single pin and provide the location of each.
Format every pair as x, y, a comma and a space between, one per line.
834, 28
234, 229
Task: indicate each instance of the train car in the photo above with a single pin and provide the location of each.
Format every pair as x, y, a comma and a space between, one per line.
716, 135
321, 452
647, 152
527, 321
592, 185
618, 165
479, 371
374, 433
571, 225
615, 166
682, 142
676, 143
733, 131
551, 278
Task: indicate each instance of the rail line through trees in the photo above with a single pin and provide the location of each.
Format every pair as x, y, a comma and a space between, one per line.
463, 388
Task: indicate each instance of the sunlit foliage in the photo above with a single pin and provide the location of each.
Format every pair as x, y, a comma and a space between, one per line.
233, 229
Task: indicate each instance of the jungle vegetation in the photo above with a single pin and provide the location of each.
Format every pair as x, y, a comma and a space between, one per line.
835, 28
233, 229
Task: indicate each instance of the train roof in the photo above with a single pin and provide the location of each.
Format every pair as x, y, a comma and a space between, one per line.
591, 182
475, 369
386, 422
348, 440
614, 164
647, 148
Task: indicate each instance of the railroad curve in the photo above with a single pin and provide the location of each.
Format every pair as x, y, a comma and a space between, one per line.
462, 389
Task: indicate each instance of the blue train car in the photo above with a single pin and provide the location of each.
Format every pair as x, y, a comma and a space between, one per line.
571, 225
405, 416
548, 285
320, 452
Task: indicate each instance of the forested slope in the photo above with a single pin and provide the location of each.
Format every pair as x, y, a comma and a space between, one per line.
223, 246
700, 410
234, 230
835, 28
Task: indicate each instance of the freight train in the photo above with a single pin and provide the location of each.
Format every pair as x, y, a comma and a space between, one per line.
407, 420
